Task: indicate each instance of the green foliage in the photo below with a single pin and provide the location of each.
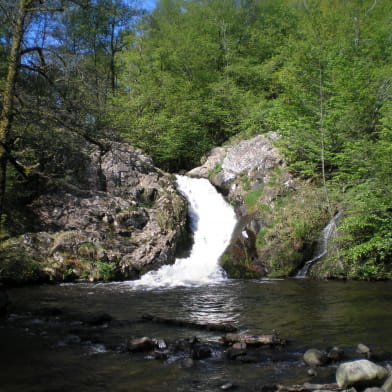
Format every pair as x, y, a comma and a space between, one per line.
365, 244
104, 270
292, 226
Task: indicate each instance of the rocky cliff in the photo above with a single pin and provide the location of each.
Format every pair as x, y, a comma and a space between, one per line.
116, 218
280, 217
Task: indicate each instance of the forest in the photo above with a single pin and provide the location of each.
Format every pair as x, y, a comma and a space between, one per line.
190, 75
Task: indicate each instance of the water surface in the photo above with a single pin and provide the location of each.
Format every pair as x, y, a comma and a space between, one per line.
55, 353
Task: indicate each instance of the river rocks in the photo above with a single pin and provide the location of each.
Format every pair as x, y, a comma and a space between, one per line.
141, 345
387, 386
253, 340
360, 373
364, 350
117, 218
200, 351
314, 357
335, 354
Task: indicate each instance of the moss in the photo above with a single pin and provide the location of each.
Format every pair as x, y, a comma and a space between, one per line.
252, 199
89, 250
217, 169
240, 267
294, 220
17, 266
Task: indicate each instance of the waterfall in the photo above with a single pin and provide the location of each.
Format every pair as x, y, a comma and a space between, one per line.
322, 245
212, 221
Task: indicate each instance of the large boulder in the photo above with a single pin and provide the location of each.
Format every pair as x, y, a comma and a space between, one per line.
118, 218
360, 373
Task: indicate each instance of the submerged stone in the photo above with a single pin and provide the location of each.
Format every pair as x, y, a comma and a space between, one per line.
314, 357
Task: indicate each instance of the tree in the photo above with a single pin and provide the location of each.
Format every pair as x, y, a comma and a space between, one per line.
42, 84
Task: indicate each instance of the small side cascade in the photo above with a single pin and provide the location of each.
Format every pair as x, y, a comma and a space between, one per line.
322, 245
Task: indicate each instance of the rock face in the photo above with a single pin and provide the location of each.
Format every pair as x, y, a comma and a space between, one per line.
118, 217
253, 158
360, 373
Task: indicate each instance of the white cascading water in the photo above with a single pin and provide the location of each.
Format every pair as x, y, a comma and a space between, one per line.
212, 222
322, 245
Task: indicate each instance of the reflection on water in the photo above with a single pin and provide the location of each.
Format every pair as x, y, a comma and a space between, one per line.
211, 306
308, 313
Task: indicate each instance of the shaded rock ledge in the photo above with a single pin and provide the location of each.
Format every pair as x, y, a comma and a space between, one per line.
117, 218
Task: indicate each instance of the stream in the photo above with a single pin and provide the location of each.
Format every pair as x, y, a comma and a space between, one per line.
46, 348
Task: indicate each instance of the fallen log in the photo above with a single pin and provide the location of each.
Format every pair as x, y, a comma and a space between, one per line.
308, 387
253, 340
221, 327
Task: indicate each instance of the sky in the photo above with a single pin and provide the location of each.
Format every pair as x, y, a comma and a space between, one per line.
148, 4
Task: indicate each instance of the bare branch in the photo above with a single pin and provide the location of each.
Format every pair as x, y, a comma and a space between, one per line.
372, 7
39, 9
37, 70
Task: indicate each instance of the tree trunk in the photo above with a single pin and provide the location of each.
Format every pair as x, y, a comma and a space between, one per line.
9, 93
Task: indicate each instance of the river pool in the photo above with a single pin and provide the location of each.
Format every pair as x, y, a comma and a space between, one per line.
46, 346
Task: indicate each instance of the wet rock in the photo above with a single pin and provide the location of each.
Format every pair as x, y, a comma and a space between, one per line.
247, 358
226, 386
387, 386
160, 343
161, 355
314, 357
200, 351
233, 353
140, 345
374, 389
239, 346
360, 373
364, 350
187, 362
335, 354
253, 340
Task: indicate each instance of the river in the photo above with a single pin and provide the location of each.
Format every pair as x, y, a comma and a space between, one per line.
45, 348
